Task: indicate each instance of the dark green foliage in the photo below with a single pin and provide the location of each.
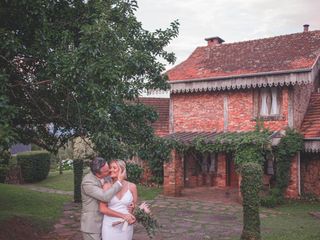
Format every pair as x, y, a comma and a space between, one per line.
231, 142
288, 147
273, 199
34, 165
4, 168
250, 187
156, 152
5, 157
81, 66
134, 172
78, 172
250, 153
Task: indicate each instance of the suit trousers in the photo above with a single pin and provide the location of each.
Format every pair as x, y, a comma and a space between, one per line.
91, 236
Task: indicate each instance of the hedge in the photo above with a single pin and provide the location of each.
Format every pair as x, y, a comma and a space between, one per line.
250, 187
35, 165
4, 168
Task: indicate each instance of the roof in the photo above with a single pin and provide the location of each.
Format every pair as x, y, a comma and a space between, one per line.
292, 52
211, 137
188, 137
310, 127
161, 106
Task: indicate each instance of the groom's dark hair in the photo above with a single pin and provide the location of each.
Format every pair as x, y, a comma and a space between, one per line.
96, 164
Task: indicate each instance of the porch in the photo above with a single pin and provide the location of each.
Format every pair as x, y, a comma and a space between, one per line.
189, 172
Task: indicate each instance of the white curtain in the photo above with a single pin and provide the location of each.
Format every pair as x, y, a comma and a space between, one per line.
274, 102
264, 106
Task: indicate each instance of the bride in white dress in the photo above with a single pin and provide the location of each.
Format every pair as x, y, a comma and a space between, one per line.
117, 209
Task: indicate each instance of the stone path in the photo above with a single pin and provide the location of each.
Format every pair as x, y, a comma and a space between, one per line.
200, 214
180, 219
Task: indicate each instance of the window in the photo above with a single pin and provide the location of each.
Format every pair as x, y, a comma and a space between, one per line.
269, 102
209, 164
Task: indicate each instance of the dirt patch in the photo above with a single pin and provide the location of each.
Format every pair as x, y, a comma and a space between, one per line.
17, 228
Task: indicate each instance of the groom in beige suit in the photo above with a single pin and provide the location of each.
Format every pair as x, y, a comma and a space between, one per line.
92, 193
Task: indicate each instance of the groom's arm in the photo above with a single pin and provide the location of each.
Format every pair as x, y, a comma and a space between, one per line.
95, 191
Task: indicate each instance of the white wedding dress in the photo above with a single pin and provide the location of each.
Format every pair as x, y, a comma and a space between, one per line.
117, 232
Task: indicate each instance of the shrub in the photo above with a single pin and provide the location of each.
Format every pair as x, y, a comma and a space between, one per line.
34, 165
134, 172
5, 157
66, 164
273, 199
4, 168
250, 187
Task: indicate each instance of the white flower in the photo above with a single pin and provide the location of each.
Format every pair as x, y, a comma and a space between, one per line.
143, 206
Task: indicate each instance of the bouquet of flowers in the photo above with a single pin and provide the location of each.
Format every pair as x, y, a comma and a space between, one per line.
144, 217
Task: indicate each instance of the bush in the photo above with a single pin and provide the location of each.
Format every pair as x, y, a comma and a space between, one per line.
66, 164
250, 187
5, 157
4, 168
134, 172
34, 165
274, 198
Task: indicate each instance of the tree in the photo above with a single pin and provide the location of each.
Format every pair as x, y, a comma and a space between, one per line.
76, 68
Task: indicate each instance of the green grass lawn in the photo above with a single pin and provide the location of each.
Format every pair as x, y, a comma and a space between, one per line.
291, 221
41, 208
58, 181
65, 182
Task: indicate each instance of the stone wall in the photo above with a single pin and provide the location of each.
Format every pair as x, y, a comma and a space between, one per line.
310, 173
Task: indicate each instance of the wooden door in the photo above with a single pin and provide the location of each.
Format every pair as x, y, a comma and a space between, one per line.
232, 176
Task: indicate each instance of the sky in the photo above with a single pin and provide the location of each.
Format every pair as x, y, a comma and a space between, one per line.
231, 20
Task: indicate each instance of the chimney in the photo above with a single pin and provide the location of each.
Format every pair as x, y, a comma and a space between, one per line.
213, 41
306, 28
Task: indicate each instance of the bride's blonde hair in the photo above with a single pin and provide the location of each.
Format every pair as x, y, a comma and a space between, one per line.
121, 164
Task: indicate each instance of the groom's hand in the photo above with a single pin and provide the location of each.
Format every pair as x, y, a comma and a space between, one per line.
121, 175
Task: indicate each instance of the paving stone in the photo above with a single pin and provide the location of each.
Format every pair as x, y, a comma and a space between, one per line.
180, 218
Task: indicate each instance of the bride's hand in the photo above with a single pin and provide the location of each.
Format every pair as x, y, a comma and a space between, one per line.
132, 220
129, 218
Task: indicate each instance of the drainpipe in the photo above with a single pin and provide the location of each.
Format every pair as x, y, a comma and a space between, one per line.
299, 175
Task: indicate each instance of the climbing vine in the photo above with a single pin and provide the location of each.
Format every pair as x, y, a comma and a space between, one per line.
288, 147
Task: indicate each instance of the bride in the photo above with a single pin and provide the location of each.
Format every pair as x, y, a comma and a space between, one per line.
117, 209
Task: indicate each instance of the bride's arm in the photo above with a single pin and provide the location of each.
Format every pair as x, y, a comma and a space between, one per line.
133, 189
107, 211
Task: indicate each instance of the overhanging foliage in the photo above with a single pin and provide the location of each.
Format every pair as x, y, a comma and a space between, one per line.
78, 66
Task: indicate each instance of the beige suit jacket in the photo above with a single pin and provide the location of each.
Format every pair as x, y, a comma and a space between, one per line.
92, 193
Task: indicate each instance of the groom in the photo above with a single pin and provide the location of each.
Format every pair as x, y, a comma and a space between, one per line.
92, 193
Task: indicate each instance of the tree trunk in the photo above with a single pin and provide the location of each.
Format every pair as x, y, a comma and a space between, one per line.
78, 172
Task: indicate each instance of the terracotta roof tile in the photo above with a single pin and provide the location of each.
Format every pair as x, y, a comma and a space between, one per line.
281, 53
161, 106
310, 127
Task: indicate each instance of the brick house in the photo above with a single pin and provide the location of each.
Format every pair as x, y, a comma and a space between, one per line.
224, 88
160, 127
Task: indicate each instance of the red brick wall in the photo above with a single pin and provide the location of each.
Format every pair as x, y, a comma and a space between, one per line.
310, 173
197, 112
205, 112
292, 189
173, 175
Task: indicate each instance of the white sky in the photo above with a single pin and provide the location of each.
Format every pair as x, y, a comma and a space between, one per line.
232, 20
